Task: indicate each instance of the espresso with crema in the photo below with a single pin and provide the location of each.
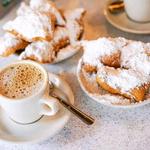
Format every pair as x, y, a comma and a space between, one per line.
20, 81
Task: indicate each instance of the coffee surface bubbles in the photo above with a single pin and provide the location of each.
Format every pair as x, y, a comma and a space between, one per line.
20, 81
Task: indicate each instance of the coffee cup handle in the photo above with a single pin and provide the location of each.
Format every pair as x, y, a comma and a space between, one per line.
49, 106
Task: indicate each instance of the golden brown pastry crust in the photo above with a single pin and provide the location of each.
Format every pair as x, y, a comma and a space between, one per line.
12, 50
112, 60
137, 93
89, 68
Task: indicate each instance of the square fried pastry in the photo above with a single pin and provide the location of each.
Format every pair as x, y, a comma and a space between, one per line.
32, 26
40, 51
74, 23
45, 52
10, 44
48, 6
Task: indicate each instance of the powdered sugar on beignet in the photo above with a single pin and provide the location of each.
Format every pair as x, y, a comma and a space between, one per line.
122, 66
122, 79
134, 56
60, 38
10, 44
43, 51
39, 51
48, 7
95, 49
32, 27
74, 23
24, 9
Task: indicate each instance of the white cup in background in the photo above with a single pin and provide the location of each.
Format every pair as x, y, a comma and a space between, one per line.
138, 10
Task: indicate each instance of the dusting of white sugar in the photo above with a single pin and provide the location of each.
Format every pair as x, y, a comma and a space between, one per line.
30, 26
42, 50
24, 9
122, 79
8, 41
134, 61
95, 49
47, 6
134, 56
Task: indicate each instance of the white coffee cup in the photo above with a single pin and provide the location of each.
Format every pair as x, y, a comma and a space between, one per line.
30, 109
138, 10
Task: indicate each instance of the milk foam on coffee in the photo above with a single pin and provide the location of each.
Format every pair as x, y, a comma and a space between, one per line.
20, 81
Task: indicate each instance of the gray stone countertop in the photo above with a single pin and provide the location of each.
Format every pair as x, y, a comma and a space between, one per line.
114, 129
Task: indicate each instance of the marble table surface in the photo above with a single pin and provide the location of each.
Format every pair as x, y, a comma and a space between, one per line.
114, 129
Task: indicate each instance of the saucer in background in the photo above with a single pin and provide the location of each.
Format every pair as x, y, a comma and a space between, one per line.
122, 22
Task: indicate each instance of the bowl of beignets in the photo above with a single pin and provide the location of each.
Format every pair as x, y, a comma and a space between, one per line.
115, 71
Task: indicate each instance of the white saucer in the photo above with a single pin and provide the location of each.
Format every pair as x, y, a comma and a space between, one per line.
65, 54
122, 22
99, 96
46, 127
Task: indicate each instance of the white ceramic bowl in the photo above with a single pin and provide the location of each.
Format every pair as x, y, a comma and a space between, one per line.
107, 99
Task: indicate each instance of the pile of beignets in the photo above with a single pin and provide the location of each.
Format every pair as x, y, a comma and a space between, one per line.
120, 66
42, 30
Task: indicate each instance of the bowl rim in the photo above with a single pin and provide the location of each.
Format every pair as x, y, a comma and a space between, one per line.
134, 105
